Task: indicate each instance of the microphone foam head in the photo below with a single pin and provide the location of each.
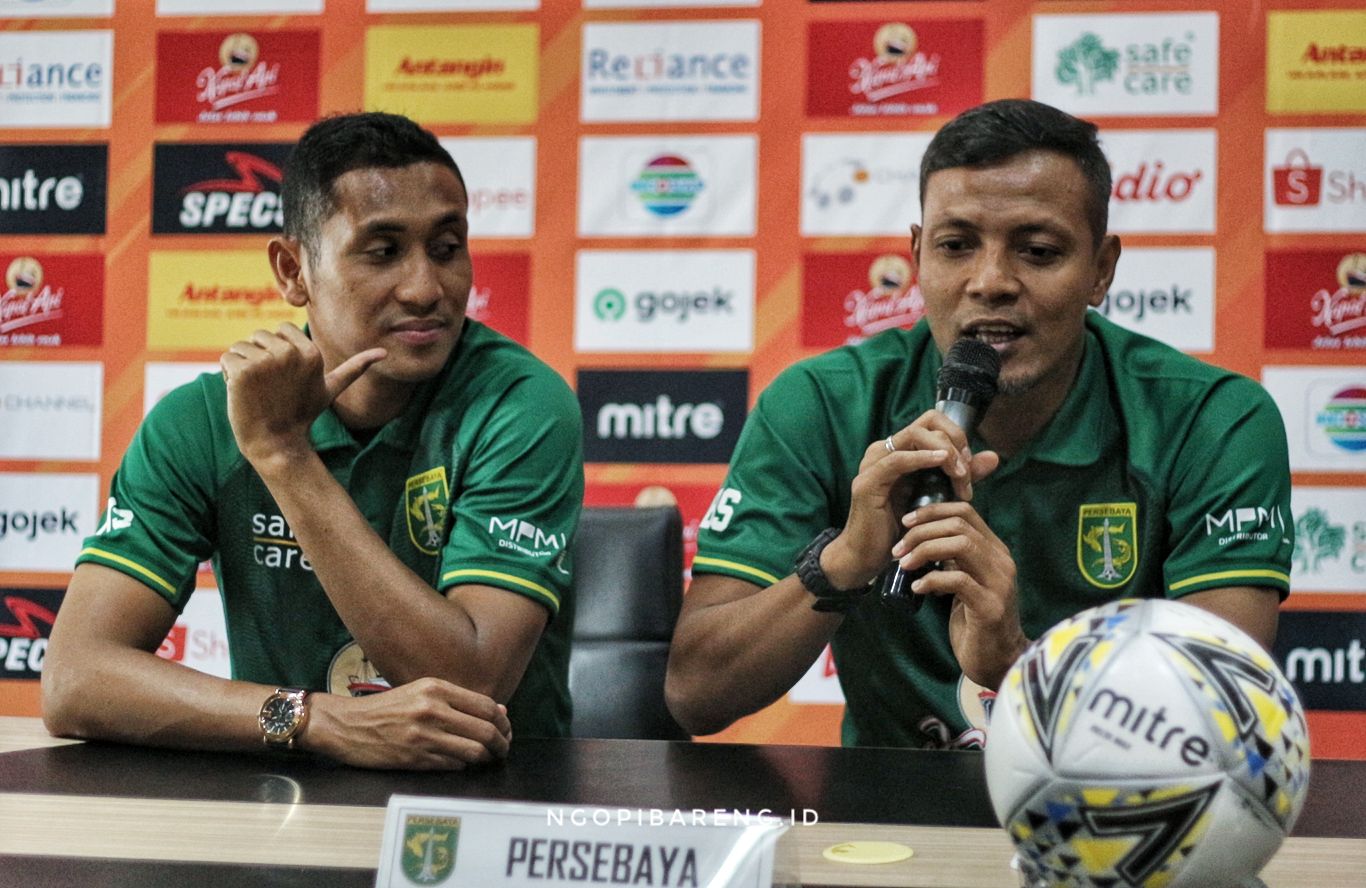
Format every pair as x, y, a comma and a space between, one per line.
971, 365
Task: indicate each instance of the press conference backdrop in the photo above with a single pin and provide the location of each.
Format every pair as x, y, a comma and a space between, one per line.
671, 201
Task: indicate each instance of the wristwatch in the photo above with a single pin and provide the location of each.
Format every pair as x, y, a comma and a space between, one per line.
283, 717
809, 571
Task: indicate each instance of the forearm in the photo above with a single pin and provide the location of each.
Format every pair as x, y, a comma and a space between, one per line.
731, 658
406, 628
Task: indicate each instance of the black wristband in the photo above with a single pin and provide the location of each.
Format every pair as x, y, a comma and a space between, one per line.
809, 571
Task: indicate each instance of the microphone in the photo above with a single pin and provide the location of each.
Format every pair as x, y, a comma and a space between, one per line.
966, 385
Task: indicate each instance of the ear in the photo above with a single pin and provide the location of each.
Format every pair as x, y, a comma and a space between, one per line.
916, 233
287, 261
1107, 257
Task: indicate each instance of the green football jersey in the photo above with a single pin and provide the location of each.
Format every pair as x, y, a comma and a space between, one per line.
1159, 475
479, 480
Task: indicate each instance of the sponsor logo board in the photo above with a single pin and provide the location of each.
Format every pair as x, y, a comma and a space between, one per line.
218, 188
1316, 61
1166, 293
455, 73
50, 410
1324, 656
56, 78
1315, 180
862, 183
1145, 64
663, 4
662, 416
26, 618
651, 71
1316, 299
1325, 415
915, 68
237, 76
236, 7
161, 377
658, 186
55, 8
450, 5
820, 684
664, 301
199, 300
847, 297
1330, 539
53, 189
1163, 180
500, 176
44, 518
500, 296
199, 638
51, 300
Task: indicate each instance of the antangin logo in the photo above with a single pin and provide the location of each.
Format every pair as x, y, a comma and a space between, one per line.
1107, 543
429, 847
426, 498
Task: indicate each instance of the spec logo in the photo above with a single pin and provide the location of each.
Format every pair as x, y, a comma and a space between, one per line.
192, 194
26, 618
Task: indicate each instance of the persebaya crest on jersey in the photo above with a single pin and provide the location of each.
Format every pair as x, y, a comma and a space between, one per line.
1107, 543
429, 847
425, 499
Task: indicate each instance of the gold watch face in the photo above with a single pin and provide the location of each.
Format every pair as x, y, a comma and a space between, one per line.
281, 715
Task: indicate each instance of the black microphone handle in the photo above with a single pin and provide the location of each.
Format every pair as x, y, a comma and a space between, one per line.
928, 487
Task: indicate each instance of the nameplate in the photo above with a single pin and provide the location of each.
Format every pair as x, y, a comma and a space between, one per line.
459, 842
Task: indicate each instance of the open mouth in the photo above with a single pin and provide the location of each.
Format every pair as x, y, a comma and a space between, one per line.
993, 333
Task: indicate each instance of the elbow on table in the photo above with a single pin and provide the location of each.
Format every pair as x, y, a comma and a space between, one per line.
66, 695
693, 705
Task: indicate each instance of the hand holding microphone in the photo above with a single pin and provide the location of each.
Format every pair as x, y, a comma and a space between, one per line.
966, 386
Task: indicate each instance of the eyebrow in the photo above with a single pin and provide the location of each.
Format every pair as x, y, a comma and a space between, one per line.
390, 226
1026, 229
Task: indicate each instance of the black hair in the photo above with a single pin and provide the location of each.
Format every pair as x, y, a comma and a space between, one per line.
337, 145
997, 131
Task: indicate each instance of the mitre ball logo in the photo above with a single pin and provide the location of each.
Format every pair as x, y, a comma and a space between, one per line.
1146, 742
668, 185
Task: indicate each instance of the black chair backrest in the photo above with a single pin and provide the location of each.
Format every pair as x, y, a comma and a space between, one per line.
628, 581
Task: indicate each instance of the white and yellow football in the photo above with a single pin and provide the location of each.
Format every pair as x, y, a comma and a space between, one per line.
1146, 744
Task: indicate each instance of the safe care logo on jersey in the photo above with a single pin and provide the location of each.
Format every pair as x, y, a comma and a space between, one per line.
893, 69
237, 77
273, 544
218, 189
1316, 61
52, 300
429, 845
1135, 64
56, 78
425, 501
1316, 299
454, 74
1107, 543
670, 71
847, 297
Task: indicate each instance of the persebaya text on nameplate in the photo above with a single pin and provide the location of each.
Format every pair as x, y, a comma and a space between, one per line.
456, 842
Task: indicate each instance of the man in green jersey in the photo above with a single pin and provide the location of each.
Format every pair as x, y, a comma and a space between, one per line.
1107, 466
387, 498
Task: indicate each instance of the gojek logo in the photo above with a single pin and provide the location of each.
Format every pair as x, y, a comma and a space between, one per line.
610, 304
667, 185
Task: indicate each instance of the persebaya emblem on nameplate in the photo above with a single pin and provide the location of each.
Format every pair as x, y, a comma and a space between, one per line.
1107, 543
424, 504
429, 848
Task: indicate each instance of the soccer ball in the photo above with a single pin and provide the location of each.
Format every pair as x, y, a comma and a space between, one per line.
1146, 743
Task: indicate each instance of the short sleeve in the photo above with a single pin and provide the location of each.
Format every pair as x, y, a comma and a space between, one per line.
157, 524
1230, 522
779, 492
519, 503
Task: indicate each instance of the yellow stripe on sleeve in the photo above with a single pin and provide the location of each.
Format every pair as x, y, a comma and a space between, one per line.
131, 565
1233, 575
767, 577
507, 578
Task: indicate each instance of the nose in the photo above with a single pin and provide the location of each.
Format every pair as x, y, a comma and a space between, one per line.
993, 276
421, 287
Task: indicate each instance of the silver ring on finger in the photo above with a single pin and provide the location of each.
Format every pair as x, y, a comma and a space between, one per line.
891, 448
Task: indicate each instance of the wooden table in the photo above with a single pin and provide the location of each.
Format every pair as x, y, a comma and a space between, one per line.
105, 814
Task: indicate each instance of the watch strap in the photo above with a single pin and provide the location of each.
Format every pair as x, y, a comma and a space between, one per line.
812, 575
